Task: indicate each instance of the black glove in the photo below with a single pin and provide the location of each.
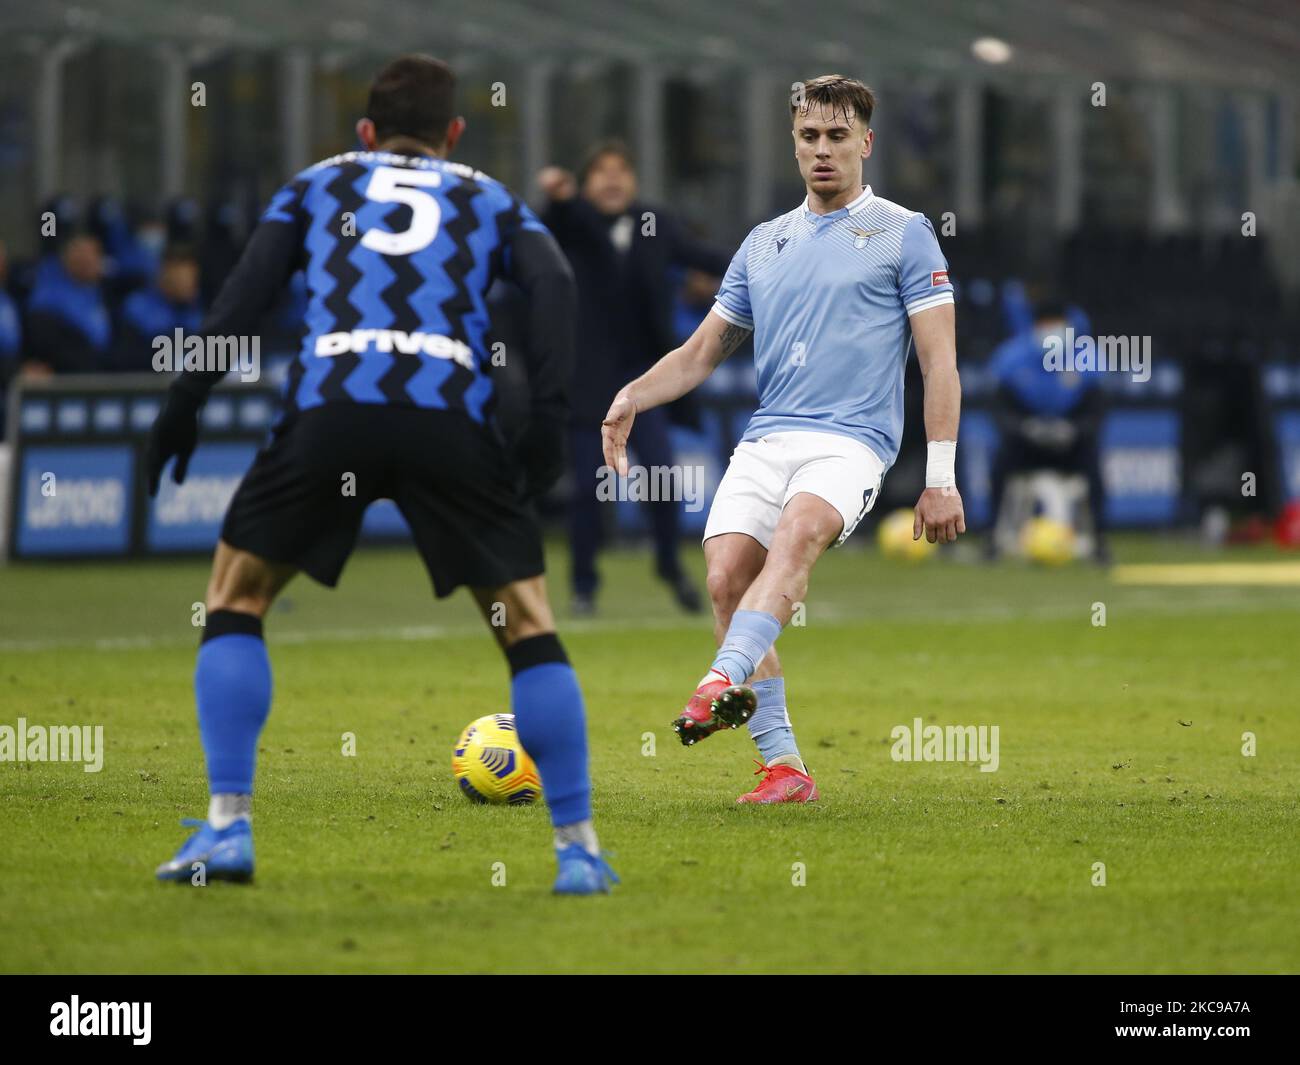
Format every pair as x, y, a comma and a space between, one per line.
174, 432
542, 453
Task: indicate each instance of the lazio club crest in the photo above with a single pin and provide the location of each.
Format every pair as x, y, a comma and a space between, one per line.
861, 236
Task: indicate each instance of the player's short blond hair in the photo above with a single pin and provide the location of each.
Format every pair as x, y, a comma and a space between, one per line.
836, 93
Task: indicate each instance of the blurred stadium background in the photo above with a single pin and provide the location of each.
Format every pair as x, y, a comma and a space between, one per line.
1136, 212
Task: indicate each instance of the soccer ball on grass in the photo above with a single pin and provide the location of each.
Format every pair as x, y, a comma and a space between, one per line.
492, 766
1047, 541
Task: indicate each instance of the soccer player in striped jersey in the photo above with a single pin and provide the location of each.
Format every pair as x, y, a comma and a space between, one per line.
835, 292
390, 397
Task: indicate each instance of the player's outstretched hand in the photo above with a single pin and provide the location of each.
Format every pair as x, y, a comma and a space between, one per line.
175, 432
614, 431
939, 514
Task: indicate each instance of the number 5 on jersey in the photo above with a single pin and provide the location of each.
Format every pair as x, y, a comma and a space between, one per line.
392, 184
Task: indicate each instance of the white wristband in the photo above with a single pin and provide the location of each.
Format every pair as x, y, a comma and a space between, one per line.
941, 463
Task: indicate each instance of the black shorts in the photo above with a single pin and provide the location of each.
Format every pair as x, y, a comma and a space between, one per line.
451, 478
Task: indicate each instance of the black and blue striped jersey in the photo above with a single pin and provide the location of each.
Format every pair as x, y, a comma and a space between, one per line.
398, 253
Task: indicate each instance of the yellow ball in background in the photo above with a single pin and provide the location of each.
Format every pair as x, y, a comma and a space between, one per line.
894, 535
1047, 541
492, 766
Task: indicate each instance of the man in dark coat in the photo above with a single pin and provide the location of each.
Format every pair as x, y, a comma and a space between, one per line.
622, 252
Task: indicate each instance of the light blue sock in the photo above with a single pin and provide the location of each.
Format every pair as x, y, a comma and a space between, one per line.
769, 728
750, 635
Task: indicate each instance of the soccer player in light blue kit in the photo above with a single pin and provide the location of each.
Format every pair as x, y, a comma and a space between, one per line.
835, 292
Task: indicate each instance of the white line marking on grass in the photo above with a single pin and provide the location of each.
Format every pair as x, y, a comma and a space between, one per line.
280, 637
831, 615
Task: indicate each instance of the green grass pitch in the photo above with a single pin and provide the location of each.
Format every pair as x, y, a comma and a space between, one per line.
1119, 744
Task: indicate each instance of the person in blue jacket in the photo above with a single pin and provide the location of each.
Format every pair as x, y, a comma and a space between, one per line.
1048, 418
170, 303
68, 325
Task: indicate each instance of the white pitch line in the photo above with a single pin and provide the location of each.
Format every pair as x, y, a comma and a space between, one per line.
946, 614
399, 634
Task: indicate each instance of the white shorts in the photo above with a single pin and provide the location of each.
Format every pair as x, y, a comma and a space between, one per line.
764, 474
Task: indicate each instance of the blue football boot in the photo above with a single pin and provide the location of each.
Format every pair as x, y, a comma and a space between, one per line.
582, 873
226, 854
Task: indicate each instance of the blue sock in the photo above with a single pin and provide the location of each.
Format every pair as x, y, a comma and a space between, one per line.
232, 684
769, 728
748, 639
549, 714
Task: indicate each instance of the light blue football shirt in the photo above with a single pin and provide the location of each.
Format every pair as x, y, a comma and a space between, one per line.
829, 299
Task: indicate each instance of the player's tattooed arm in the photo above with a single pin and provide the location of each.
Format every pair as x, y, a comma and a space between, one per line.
731, 337
715, 339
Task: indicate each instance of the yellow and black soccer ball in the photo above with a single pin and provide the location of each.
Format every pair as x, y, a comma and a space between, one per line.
1047, 541
492, 766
